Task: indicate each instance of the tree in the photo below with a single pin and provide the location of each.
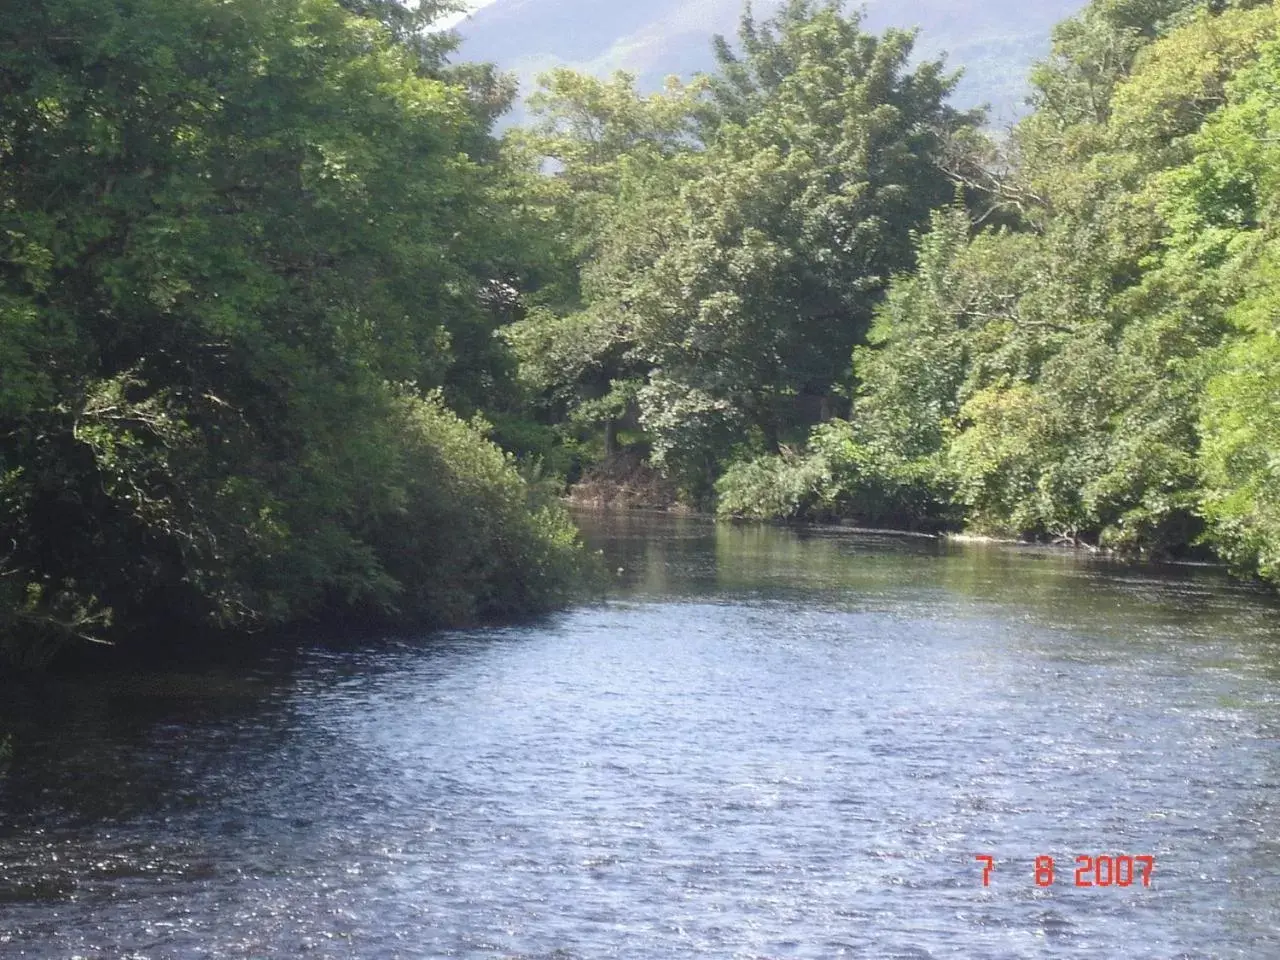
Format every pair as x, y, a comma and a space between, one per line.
1226, 203
822, 164
232, 235
1049, 381
620, 159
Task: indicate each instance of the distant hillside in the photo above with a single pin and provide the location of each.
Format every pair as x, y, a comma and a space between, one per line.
994, 40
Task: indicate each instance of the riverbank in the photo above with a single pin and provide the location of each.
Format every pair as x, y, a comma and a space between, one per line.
625, 481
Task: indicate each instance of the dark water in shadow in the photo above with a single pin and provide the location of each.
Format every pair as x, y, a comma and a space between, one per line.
765, 744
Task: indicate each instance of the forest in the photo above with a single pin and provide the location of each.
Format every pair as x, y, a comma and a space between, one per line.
289, 333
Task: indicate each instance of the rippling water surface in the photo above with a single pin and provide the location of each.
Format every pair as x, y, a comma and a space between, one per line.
764, 744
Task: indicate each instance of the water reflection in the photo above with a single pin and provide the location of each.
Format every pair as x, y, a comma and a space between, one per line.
661, 556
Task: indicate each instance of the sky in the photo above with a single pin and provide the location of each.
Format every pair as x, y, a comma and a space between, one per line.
472, 6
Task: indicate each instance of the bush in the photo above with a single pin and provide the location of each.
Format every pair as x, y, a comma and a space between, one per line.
837, 476
461, 538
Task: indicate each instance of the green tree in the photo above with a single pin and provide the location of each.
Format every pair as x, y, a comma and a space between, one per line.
232, 235
1100, 441
1226, 204
620, 159
1048, 380
823, 161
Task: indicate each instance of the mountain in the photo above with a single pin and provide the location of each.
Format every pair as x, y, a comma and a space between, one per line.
994, 40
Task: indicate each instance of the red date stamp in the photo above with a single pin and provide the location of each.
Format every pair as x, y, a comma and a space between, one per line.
1104, 870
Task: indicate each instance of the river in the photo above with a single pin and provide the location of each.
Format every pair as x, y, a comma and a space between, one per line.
765, 743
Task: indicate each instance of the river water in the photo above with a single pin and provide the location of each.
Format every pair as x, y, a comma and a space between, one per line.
765, 743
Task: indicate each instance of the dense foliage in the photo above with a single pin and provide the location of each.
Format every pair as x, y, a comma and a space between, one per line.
287, 332
245, 248
737, 241
1065, 333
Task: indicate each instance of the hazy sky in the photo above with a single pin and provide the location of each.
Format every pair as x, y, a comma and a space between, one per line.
471, 5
